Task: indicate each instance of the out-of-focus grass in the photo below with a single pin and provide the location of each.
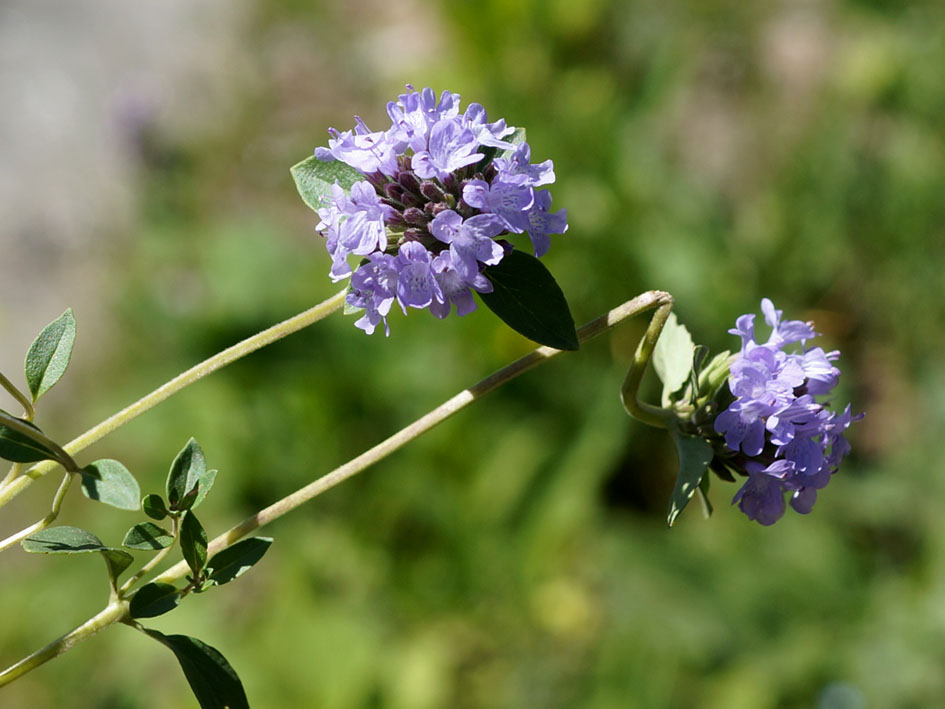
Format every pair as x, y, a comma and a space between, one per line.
517, 556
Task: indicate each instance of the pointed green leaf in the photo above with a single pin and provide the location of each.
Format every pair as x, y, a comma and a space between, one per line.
154, 507
703, 493
20, 448
114, 485
236, 560
204, 483
695, 454
48, 356
154, 599
72, 540
672, 357
212, 679
188, 470
314, 179
527, 298
715, 374
147, 536
193, 542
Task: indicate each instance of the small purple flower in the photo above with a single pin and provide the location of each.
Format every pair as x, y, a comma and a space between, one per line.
782, 437
470, 241
440, 187
510, 203
451, 147
541, 222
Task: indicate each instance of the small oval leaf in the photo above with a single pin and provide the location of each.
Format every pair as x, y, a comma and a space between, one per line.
49, 355
72, 540
187, 471
212, 679
147, 536
527, 298
193, 542
114, 485
236, 560
314, 179
154, 507
154, 599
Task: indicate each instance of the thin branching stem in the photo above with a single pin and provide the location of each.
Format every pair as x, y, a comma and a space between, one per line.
181, 381
117, 609
19, 396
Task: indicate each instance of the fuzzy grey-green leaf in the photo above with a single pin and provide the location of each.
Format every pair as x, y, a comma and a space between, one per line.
187, 471
193, 542
49, 355
20, 448
115, 485
72, 540
314, 179
147, 536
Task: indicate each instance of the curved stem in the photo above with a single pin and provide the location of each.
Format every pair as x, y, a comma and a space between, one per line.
640, 304
115, 611
221, 359
629, 393
11, 475
45, 521
19, 396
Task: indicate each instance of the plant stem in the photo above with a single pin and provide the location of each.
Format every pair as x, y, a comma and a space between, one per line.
45, 521
34, 434
640, 304
115, 611
629, 393
19, 396
221, 359
11, 475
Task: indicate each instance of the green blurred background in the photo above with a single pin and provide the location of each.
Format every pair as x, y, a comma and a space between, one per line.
517, 556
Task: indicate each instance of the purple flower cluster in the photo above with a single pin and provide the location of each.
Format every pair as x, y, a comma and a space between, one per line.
783, 438
425, 219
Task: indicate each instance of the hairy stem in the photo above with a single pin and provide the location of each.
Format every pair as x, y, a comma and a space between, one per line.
19, 396
117, 609
640, 304
45, 521
181, 381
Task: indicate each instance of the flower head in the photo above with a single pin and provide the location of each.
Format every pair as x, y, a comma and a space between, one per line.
776, 431
440, 189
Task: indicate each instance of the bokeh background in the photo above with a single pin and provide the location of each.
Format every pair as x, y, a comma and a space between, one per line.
517, 556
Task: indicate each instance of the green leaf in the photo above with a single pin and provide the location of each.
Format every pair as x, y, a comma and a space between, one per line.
672, 357
193, 542
72, 540
695, 454
314, 179
188, 470
715, 374
147, 536
204, 483
212, 679
18, 448
236, 560
114, 485
154, 599
527, 298
703, 493
48, 356
154, 507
